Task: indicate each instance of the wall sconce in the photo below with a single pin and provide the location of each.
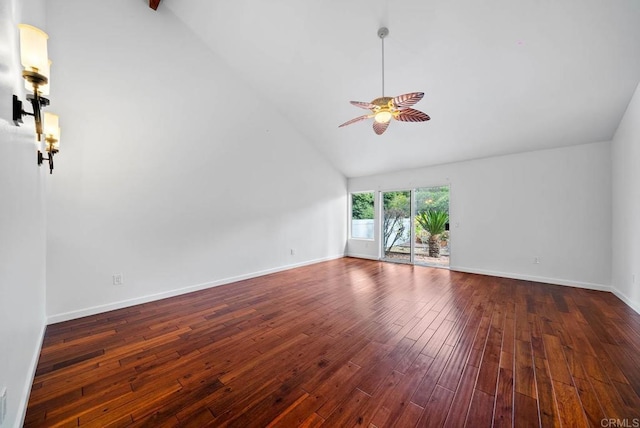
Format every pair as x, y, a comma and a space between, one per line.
35, 60
51, 139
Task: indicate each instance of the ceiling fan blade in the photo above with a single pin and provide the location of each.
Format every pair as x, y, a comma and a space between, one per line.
411, 115
357, 119
363, 105
407, 100
379, 128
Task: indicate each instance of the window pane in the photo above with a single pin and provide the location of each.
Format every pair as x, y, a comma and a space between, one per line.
362, 215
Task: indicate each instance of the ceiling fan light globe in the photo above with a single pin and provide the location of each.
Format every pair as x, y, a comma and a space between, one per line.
383, 116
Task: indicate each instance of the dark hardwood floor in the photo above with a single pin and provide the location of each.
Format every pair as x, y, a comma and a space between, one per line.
348, 343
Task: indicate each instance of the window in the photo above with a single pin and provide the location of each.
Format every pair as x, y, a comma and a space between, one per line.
362, 215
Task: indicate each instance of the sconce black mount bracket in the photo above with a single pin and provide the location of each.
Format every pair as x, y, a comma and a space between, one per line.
41, 159
37, 102
18, 112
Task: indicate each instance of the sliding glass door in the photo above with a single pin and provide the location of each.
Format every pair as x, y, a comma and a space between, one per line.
415, 226
432, 226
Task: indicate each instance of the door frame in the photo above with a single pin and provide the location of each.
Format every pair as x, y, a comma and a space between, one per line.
414, 214
411, 226
412, 230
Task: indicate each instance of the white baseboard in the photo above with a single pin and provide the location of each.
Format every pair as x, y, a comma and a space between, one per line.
52, 319
26, 391
555, 281
546, 280
362, 256
633, 305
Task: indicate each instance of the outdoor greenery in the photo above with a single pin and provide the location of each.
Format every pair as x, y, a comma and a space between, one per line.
435, 198
362, 206
432, 215
434, 222
396, 208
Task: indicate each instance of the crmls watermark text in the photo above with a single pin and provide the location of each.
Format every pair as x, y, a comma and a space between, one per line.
620, 423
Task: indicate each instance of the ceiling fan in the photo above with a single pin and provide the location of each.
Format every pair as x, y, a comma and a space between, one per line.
384, 109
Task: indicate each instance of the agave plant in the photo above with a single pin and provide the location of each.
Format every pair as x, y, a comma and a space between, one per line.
435, 223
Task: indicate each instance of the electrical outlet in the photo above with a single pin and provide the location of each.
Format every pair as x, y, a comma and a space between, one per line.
536, 260
117, 279
3, 404
293, 252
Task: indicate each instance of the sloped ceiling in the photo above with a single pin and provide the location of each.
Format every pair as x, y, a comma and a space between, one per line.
499, 76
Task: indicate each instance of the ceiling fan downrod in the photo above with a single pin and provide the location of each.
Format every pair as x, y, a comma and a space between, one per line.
382, 33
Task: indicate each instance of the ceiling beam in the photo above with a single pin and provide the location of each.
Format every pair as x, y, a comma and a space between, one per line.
153, 4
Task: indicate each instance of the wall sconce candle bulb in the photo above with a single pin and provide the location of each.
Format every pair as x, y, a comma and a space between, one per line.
33, 48
51, 138
35, 60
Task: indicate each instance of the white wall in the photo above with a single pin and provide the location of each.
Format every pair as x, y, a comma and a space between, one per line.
171, 171
505, 211
626, 206
22, 223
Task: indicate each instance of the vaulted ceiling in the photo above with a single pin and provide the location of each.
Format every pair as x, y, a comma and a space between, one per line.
499, 76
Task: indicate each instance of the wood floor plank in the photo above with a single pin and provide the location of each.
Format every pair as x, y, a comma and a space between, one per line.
331, 388
481, 410
462, 400
524, 373
525, 411
399, 397
558, 368
384, 367
570, 408
349, 412
126, 404
437, 408
503, 409
488, 374
456, 364
409, 417
612, 405
377, 401
429, 382
348, 342
547, 399
314, 420
589, 400
156, 413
